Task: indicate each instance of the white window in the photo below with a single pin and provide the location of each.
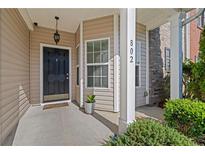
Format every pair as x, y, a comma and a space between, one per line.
167, 59
97, 52
138, 63
77, 66
201, 20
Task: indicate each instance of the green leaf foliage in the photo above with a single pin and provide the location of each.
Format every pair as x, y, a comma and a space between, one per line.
91, 99
194, 74
187, 116
147, 132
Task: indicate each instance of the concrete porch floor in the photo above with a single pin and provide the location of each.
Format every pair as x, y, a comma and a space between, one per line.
60, 126
71, 126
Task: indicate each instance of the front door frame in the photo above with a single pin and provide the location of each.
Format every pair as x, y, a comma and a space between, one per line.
41, 72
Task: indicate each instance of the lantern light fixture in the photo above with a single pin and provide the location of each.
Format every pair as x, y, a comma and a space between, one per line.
56, 35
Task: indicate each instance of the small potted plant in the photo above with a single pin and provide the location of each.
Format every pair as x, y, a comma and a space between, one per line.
90, 104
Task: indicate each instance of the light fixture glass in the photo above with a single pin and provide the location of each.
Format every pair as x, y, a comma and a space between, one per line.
56, 35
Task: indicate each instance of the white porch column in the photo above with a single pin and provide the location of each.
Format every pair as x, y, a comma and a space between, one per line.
176, 56
127, 67
116, 64
81, 64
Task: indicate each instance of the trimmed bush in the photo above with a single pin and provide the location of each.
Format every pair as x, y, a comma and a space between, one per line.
187, 116
147, 132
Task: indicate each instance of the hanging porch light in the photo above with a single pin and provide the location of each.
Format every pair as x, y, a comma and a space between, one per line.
56, 35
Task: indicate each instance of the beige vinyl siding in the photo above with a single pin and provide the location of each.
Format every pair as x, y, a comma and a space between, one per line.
141, 36
96, 29
14, 70
45, 35
77, 42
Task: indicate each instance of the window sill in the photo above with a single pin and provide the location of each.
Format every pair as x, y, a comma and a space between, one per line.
199, 27
97, 88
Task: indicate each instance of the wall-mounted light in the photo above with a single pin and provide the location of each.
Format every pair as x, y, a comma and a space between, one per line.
56, 35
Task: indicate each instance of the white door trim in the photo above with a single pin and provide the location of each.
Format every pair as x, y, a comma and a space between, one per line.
41, 72
81, 65
116, 64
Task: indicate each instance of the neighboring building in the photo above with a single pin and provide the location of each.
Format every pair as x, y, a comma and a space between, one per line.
192, 32
95, 55
160, 53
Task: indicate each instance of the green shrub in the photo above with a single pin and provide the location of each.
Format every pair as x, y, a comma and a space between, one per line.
146, 132
187, 116
194, 74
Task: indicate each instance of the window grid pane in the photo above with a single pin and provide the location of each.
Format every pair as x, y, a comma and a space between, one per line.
77, 75
137, 77
138, 52
167, 59
90, 47
90, 58
78, 55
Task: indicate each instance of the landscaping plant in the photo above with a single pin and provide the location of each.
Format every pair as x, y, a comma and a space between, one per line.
190, 89
187, 116
147, 132
165, 90
90, 104
91, 99
194, 74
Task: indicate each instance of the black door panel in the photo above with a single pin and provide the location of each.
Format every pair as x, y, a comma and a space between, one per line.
55, 74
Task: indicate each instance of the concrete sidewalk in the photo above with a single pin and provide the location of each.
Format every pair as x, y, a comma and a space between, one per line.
60, 126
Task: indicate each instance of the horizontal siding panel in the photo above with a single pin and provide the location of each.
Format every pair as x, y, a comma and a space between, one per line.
14, 63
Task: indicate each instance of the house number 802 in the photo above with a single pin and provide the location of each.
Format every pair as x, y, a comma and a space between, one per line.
131, 52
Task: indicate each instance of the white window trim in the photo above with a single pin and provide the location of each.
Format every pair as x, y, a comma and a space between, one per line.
200, 24
91, 64
77, 65
140, 55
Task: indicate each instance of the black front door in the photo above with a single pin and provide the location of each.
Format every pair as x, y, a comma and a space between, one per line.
55, 74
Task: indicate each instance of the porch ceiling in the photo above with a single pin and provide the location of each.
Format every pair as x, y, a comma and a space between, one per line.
71, 18
153, 18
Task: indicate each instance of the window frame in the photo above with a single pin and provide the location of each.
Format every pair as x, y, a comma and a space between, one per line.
201, 21
140, 62
97, 64
165, 59
77, 65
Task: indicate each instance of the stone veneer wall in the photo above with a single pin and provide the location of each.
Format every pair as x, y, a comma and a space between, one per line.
159, 38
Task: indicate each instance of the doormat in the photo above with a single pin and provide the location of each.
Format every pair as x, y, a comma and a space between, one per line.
51, 106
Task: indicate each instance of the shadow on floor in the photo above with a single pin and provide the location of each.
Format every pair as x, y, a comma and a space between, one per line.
151, 111
112, 126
